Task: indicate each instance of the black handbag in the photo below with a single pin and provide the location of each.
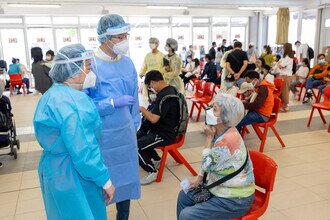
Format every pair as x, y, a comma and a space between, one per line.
202, 192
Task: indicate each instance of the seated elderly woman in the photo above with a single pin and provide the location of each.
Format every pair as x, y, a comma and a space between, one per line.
224, 154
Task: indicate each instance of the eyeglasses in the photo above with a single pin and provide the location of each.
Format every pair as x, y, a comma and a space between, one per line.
121, 36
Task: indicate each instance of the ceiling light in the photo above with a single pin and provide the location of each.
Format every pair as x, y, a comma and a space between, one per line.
166, 7
255, 8
35, 5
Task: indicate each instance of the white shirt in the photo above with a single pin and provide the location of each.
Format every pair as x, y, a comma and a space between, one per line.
287, 63
270, 78
303, 49
302, 72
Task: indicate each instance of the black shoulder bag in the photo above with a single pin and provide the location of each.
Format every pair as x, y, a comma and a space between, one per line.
202, 193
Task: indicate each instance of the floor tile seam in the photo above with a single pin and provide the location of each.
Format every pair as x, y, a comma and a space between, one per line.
296, 146
19, 190
28, 212
144, 211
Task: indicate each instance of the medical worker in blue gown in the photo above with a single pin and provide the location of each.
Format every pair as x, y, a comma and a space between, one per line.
67, 126
116, 98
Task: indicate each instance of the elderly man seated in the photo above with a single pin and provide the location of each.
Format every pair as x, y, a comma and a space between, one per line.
158, 124
261, 107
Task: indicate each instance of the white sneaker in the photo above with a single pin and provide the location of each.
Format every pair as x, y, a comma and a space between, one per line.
157, 163
149, 178
36, 92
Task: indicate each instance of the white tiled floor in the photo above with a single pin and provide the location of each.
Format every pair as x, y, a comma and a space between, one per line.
302, 187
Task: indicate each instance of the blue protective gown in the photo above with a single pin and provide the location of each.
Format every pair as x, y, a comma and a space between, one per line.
118, 141
71, 168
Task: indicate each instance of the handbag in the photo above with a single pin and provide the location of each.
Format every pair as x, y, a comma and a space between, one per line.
202, 192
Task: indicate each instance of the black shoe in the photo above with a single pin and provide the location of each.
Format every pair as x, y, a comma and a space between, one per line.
19, 93
309, 94
306, 100
28, 92
1, 165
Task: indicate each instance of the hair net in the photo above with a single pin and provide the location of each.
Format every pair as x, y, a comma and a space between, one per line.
172, 43
68, 62
232, 109
153, 40
111, 25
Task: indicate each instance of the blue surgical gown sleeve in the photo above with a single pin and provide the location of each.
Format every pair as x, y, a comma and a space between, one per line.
135, 109
103, 105
82, 145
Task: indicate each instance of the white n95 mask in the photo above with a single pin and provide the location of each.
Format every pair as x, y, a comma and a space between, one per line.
121, 48
210, 118
90, 80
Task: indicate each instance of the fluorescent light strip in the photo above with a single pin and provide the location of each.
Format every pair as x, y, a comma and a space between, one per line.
255, 8
35, 5
166, 7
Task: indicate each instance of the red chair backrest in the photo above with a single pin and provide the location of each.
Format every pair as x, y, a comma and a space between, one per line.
199, 85
327, 95
278, 82
276, 107
15, 79
209, 89
264, 169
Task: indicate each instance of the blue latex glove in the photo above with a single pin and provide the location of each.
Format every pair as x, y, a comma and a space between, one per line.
124, 100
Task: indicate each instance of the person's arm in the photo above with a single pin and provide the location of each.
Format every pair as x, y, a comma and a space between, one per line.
323, 74
245, 64
230, 70
204, 71
259, 101
312, 71
135, 108
153, 118
213, 72
82, 146
143, 68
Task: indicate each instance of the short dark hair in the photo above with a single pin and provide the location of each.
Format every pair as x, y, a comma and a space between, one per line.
278, 56
230, 78
237, 44
214, 43
321, 54
224, 40
208, 56
153, 75
252, 74
266, 67
14, 60
297, 42
36, 54
50, 52
196, 62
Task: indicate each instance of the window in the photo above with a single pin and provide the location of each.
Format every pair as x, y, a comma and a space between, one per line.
65, 20
11, 21
65, 37
41, 37
181, 31
200, 39
90, 21
308, 28
13, 45
89, 38
272, 28
220, 29
38, 20
293, 27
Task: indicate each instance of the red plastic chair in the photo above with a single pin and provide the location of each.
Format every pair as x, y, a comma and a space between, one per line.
173, 151
325, 105
264, 169
303, 86
192, 83
279, 82
16, 80
269, 124
199, 85
202, 102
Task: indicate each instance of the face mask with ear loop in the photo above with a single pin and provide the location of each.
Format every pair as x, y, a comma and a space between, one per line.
210, 118
90, 78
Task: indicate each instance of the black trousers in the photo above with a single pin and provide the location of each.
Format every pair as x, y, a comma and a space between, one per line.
147, 142
187, 79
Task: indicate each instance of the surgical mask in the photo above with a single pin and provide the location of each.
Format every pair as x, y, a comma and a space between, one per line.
121, 48
152, 94
210, 118
229, 84
153, 46
90, 80
166, 48
153, 90
322, 61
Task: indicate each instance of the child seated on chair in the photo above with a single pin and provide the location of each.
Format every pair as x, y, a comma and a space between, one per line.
158, 124
301, 76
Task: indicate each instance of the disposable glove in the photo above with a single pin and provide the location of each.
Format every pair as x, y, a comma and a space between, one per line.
124, 100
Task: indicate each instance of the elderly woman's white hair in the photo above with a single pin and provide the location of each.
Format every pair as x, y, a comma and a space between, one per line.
232, 109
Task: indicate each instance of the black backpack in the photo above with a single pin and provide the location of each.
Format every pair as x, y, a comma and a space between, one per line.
183, 108
310, 52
